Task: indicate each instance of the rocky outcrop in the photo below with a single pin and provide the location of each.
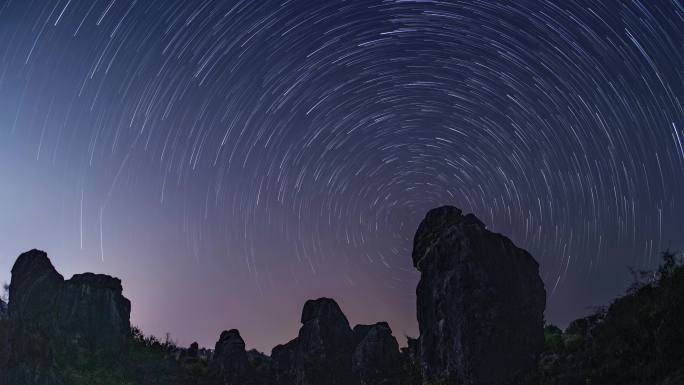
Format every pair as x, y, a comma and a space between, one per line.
229, 364
283, 359
53, 322
480, 301
376, 359
94, 313
322, 352
35, 290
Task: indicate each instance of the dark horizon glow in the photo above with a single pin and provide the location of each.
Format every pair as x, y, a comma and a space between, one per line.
230, 159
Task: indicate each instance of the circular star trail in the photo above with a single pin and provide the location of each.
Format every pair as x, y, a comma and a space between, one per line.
240, 157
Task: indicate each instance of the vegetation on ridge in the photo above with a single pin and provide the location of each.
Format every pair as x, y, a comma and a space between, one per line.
636, 340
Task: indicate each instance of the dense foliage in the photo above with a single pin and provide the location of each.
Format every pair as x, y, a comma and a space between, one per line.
636, 340
148, 361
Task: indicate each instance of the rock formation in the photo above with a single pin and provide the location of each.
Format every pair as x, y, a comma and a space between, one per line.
283, 363
322, 352
480, 313
376, 359
34, 294
229, 364
94, 313
52, 320
480, 301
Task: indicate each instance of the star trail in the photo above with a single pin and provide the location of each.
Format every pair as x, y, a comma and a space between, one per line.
231, 159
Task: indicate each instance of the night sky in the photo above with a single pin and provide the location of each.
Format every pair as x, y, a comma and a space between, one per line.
230, 159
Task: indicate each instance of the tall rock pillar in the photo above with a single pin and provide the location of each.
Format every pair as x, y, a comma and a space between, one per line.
480, 301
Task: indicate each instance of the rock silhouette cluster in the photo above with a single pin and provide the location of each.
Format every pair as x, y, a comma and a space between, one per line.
50, 319
480, 310
480, 301
328, 351
325, 341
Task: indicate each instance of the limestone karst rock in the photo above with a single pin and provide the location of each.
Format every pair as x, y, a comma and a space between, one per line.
322, 352
283, 363
376, 359
52, 320
480, 301
229, 364
33, 332
93, 312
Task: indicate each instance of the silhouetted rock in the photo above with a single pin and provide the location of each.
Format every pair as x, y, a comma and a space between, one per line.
325, 344
283, 366
480, 301
322, 352
35, 289
229, 364
376, 359
53, 323
474, 287
94, 313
